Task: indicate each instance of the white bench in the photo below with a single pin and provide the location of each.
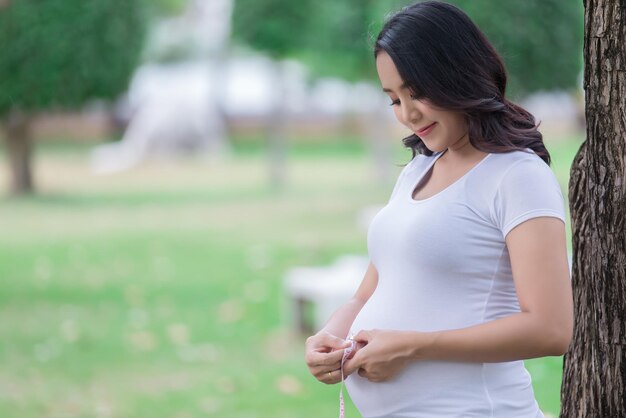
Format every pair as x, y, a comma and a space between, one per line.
322, 289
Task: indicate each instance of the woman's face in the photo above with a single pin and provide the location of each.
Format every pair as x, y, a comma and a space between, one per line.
438, 128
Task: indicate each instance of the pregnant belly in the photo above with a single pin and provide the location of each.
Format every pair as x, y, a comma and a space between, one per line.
424, 389
423, 386
436, 388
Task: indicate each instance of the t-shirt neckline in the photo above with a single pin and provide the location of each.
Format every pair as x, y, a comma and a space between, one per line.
428, 168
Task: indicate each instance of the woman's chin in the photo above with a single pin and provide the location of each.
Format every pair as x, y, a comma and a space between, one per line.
431, 147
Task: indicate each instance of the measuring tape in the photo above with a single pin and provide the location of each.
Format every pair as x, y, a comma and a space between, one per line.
346, 353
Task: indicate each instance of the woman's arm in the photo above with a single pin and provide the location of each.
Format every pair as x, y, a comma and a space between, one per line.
323, 350
340, 322
543, 327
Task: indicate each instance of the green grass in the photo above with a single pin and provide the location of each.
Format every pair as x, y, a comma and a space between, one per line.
158, 292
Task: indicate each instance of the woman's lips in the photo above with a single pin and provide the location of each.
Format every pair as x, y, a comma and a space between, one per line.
426, 130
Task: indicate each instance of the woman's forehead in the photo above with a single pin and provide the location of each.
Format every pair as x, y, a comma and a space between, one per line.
388, 73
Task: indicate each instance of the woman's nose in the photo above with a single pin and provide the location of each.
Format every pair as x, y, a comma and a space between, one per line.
410, 112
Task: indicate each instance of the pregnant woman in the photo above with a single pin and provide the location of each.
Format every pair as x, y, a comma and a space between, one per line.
468, 273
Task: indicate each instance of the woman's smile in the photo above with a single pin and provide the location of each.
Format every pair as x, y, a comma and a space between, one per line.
426, 130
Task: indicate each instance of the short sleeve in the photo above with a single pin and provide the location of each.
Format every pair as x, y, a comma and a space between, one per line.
528, 189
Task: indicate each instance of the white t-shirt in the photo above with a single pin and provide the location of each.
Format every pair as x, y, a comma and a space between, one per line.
443, 264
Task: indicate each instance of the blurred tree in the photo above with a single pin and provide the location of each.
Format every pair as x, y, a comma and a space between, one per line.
331, 37
540, 40
60, 54
160, 8
275, 28
594, 375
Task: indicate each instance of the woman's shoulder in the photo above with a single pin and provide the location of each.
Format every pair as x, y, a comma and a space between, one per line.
508, 163
514, 157
508, 170
522, 171
526, 188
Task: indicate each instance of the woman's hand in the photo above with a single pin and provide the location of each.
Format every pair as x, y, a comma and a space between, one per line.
323, 353
382, 353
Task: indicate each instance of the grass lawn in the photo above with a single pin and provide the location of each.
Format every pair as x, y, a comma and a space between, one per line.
157, 292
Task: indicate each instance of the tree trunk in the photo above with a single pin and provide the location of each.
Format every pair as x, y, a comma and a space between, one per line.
217, 29
376, 130
276, 130
19, 150
594, 375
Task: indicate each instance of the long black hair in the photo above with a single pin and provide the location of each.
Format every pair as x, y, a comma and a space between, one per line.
442, 56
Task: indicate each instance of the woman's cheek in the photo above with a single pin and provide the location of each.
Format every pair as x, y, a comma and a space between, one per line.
398, 114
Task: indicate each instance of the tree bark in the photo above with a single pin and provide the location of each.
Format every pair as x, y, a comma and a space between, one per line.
19, 150
594, 375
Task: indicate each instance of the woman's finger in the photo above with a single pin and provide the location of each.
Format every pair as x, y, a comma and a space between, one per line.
316, 359
352, 364
329, 376
326, 340
363, 336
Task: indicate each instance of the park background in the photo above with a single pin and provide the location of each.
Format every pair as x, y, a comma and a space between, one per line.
157, 289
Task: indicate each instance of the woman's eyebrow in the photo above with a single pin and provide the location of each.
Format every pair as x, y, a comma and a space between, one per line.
402, 87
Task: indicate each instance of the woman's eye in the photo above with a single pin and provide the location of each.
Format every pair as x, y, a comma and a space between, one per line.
395, 102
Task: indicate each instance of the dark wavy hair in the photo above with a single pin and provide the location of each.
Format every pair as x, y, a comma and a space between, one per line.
442, 56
